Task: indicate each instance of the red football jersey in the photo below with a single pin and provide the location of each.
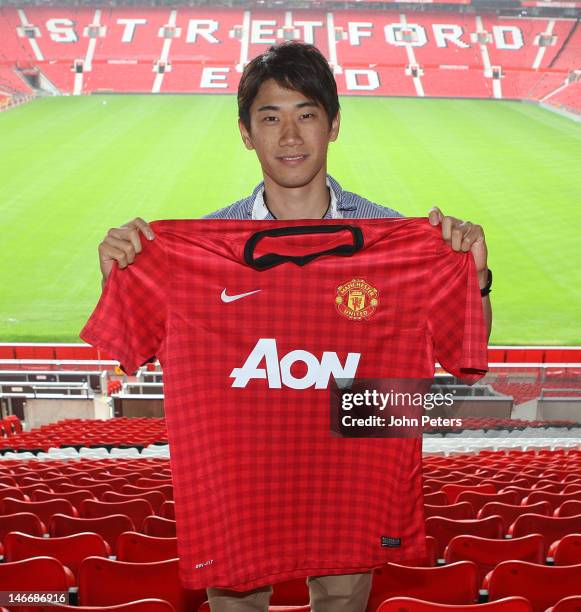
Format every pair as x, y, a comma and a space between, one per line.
251, 320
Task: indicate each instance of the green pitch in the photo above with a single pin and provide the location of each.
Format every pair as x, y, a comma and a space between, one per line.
70, 168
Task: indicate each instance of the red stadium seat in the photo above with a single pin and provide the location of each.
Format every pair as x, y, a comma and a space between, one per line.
104, 582
116, 484
155, 498
409, 604
130, 475
567, 550
451, 584
572, 478
555, 499
459, 510
168, 510
37, 574
444, 529
96, 489
509, 513
14, 493
43, 509
136, 509
140, 548
452, 491
30, 489
53, 483
108, 527
487, 553
75, 497
14, 422
69, 550
551, 527
522, 492
478, 500
436, 499
568, 508
142, 605
153, 482
542, 585
567, 604
290, 593
167, 490
159, 527
25, 522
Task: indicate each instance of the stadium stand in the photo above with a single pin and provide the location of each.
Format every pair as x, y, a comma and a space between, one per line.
69, 550
38, 572
542, 585
443, 529
486, 553
568, 97
466, 555
193, 50
411, 604
107, 582
455, 583
10, 82
140, 548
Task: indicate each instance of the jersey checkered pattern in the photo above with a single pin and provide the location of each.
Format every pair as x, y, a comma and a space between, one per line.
264, 492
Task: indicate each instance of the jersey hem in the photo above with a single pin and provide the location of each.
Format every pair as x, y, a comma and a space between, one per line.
304, 572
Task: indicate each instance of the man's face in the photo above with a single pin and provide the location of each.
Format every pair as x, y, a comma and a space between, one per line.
290, 134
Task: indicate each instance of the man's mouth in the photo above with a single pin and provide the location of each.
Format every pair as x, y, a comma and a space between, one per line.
292, 159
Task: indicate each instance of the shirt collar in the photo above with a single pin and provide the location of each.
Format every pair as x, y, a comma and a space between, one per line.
258, 209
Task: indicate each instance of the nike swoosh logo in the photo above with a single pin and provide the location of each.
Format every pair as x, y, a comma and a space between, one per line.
232, 298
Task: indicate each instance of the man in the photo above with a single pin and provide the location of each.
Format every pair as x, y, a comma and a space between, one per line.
289, 113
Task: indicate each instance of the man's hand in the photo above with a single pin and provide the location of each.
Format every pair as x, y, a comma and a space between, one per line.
464, 236
122, 244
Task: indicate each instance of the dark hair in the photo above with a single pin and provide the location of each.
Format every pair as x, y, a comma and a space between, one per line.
294, 65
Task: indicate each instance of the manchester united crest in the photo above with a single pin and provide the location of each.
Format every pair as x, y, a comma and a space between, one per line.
357, 299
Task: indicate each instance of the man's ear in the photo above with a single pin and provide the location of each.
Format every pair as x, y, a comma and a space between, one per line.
334, 131
246, 138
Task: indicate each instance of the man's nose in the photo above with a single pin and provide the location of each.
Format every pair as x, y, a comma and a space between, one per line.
290, 134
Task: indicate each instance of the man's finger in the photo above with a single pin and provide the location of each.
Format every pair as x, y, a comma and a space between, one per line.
108, 251
457, 235
144, 228
435, 215
447, 223
135, 241
123, 235
470, 237
112, 244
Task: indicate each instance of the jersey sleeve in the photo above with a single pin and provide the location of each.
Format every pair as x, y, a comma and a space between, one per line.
456, 317
129, 321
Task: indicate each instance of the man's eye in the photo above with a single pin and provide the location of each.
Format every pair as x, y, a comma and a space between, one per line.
267, 119
308, 115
